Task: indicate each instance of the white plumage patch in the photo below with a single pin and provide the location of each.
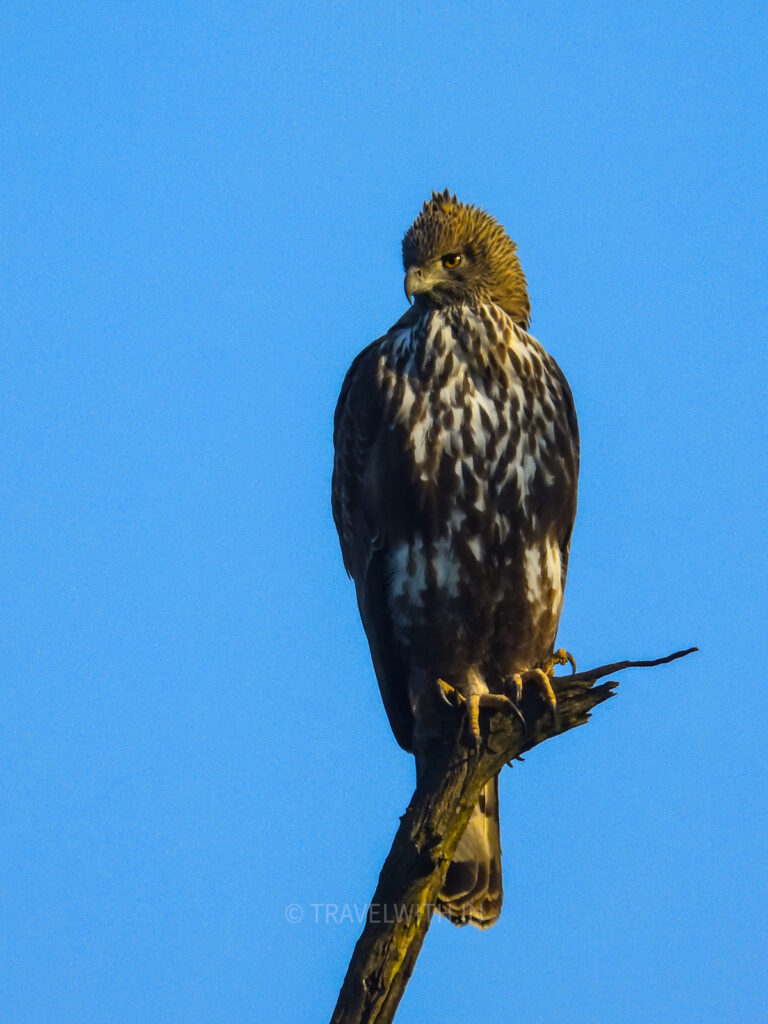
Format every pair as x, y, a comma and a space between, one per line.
408, 574
446, 566
478, 395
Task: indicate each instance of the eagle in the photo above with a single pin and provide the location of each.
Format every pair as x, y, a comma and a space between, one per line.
454, 495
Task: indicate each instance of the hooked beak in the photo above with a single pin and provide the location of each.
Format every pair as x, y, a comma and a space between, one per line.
415, 282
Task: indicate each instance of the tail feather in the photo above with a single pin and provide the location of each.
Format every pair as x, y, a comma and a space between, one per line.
472, 892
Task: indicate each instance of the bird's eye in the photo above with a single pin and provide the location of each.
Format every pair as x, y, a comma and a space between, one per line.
451, 260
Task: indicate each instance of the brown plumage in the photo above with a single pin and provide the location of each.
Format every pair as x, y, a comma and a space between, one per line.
454, 494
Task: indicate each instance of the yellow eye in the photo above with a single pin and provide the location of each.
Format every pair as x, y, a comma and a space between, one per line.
451, 260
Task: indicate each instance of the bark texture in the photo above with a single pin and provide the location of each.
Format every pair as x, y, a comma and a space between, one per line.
452, 774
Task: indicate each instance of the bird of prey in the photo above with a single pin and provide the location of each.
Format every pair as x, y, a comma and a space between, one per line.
454, 496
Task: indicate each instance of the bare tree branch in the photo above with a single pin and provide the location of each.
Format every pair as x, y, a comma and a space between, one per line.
451, 778
594, 674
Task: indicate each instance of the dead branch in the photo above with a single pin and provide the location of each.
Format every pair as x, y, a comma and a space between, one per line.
451, 779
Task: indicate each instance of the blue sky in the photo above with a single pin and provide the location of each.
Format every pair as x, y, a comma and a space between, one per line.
200, 220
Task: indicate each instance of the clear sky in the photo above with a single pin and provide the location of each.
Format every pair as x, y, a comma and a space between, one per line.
200, 218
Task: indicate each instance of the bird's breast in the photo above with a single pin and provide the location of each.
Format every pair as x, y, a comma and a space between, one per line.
467, 394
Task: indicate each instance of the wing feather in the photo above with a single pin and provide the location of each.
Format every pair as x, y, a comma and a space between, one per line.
367, 477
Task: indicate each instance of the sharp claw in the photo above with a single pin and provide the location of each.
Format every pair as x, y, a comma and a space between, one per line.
444, 689
511, 707
559, 657
492, 701
521, 717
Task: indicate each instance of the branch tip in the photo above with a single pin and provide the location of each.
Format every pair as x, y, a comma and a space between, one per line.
430, 830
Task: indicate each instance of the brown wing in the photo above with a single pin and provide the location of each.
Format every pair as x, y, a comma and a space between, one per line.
569, 455
369, 499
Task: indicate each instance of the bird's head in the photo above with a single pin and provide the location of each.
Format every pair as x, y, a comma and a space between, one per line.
454, 253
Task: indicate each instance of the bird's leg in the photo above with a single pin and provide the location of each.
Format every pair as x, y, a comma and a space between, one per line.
515, 682
473, 703
540, 677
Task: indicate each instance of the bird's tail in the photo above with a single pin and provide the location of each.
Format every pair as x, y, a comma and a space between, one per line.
472, 892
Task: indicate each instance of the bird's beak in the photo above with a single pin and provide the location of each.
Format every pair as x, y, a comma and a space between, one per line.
414, 282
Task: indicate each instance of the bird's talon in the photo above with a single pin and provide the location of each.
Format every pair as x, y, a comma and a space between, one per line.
447, 691
491, 701
545, 687
541, 679
559, 657
500, 702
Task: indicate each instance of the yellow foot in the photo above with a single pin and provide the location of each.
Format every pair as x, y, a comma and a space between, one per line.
473, 703
559, 657
540, 680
